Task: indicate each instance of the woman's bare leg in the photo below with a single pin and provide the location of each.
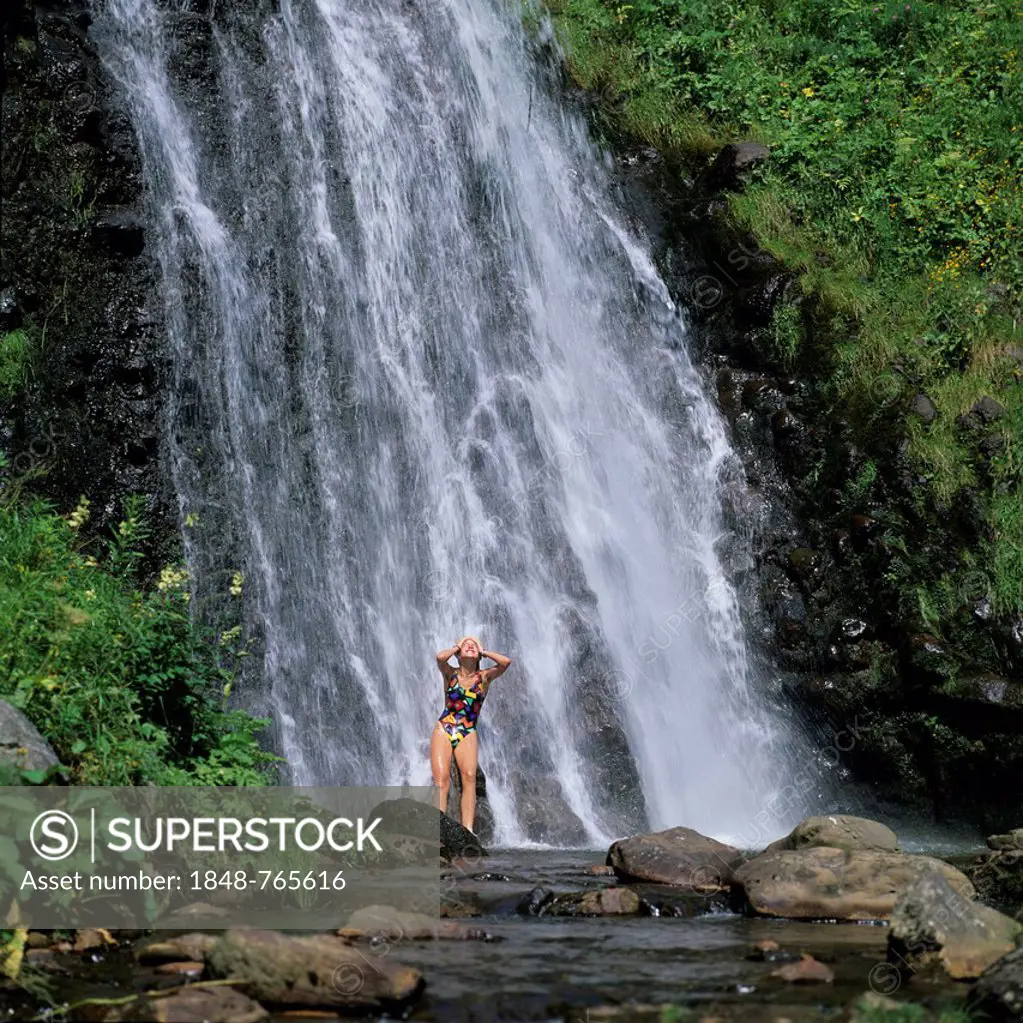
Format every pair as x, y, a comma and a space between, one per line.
466, 756
440, 762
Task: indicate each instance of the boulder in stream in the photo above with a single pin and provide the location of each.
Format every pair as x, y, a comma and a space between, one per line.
599, 902
319, 971
391, 925
805, 970
678, 856
193, 947
933, 923
840, 884
421, 820
839, 831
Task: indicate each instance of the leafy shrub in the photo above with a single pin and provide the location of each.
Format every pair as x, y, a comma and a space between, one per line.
121, 682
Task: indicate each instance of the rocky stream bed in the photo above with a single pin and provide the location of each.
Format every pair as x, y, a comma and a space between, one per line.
831, 922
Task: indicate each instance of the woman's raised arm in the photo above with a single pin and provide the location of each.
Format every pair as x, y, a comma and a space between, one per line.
501, 666
444, 656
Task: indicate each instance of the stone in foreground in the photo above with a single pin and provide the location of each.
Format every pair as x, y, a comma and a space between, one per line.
933, 923
839, 831
836, 884
320, 971
806, 970
678, 856
193, 1005
999, 993
602, 902
388, 924
193, 947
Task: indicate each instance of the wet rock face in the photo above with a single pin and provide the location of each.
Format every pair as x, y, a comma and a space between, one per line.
77, 274
847, 533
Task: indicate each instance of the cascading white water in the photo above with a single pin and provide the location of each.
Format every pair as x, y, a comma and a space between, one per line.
426, 382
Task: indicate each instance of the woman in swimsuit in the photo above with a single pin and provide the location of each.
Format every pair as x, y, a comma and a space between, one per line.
465, 688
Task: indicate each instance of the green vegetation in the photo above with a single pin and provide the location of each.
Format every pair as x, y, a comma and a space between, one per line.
872, 1009
121, 682
14, 363
892, 193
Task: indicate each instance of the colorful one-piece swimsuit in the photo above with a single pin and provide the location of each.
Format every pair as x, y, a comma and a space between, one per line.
462, 708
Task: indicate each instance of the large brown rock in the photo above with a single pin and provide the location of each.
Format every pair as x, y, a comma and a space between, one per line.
193, 1005
824, 883
388, 924
678, 856
839, 831
601, 902
933, 923
193, 947
317, 971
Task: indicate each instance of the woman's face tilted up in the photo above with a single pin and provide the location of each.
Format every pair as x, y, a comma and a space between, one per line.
469, 649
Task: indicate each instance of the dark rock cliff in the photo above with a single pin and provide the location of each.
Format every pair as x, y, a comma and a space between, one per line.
846, 533
76, 275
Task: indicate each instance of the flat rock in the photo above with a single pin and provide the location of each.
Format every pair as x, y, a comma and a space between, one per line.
1012, 840
320, 971
390, 924
601, 902
825, 883
933, 923
769, 951
670, 900
194, 947
89, 938
806, 970
460, 904
197, 1005
678, 856
839, 831
181, 969
998, 995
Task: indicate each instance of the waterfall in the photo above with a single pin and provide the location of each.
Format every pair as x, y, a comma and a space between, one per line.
425, 381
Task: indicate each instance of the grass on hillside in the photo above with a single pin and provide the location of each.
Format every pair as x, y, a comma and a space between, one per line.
893, 192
